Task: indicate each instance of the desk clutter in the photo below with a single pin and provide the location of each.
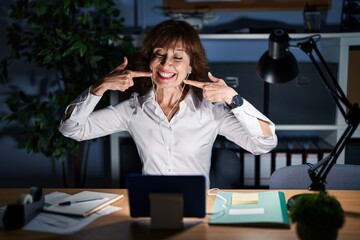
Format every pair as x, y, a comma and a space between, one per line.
28, 206
83, 203
56, 212
120, 225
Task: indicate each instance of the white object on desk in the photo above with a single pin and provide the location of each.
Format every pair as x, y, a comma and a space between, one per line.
61, 224
84, 207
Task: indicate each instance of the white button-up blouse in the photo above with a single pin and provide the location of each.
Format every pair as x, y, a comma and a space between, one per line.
182, 146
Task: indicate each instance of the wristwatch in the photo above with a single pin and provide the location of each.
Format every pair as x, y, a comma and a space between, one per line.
236, 101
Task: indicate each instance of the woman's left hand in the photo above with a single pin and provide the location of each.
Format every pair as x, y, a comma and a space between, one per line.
214, 91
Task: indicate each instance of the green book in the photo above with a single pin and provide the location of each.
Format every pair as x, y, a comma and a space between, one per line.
260, 209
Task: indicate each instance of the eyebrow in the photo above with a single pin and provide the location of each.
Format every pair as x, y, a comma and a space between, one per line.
176, 49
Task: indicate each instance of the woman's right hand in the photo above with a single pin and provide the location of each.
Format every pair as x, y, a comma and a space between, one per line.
118, 80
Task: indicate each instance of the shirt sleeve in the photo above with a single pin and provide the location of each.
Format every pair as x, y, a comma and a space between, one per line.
85, 104
85, 123
241, 126
248, 114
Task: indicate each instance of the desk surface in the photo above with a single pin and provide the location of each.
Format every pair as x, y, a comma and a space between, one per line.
119, 225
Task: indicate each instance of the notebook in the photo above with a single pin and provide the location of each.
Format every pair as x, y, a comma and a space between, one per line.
260, 209
83, 203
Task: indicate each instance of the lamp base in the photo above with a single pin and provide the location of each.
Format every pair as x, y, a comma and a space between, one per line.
292, 200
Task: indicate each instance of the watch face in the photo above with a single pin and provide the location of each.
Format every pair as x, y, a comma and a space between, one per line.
237, 101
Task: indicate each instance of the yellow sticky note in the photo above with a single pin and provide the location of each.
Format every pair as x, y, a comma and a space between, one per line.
244, 198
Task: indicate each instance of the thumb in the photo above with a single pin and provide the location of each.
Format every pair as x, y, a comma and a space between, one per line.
122, 66
212, 78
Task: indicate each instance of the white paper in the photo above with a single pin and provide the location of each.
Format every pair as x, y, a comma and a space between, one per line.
246, 211
60, 224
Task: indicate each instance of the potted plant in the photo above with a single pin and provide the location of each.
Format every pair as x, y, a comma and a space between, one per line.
317, 216
77, 41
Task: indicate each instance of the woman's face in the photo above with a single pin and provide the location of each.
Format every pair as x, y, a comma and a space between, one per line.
169, 66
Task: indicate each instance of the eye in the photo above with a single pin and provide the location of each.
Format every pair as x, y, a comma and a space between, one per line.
159, 55
178, 58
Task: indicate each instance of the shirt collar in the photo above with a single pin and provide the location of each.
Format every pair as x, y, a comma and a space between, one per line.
145, 99
191, 99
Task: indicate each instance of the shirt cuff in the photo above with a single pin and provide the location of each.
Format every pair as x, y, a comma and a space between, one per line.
247, 114
85, 104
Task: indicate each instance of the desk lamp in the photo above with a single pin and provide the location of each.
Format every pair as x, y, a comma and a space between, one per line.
278, 65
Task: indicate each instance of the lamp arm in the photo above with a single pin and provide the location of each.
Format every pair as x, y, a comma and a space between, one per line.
341, 94
337, 94
318, 178
351, 114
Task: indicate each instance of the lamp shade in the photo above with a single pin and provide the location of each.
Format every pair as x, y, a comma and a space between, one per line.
277, 64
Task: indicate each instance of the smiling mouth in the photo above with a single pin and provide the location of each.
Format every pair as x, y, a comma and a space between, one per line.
165, 75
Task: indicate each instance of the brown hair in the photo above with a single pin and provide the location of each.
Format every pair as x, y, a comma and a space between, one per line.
169, 33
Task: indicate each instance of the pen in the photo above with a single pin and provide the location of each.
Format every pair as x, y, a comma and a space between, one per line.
79, 201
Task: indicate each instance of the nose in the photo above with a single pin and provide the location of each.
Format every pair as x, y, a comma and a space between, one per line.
166, 61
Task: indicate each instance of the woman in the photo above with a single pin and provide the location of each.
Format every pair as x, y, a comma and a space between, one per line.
175, 123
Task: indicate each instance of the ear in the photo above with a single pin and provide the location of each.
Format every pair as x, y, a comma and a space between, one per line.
190, 69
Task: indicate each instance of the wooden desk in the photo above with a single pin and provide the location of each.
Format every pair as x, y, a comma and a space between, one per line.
119, 225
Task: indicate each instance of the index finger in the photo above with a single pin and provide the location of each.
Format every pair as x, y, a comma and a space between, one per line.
136, 74
195, 83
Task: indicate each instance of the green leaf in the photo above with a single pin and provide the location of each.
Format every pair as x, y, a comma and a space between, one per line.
44, 51
93, 64
45, 140
48, 58
81, 47
36, 26
85, 19
58, 150
97, 58
67, 4
10, 117
97, 3
94, 60
68, 52
63, 35
40, 9
40, 115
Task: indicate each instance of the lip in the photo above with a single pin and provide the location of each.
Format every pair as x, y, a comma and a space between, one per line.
165, 76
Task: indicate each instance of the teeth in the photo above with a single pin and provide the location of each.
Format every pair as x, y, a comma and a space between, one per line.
166, 75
